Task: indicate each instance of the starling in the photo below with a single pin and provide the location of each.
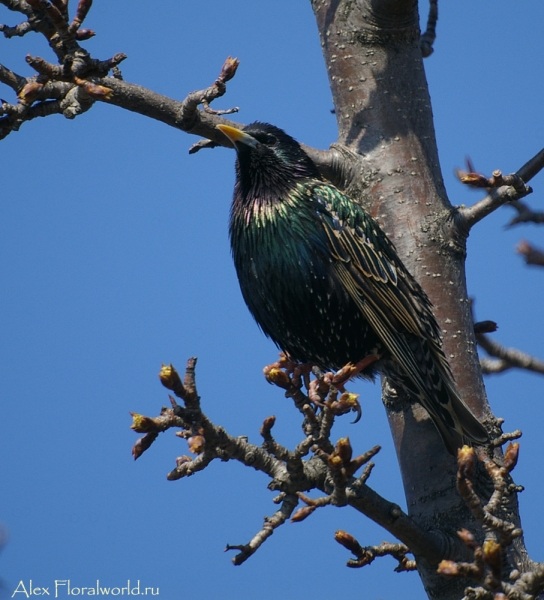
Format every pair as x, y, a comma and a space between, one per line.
323, 280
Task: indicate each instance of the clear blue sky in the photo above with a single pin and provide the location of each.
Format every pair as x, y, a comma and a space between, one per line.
114, 258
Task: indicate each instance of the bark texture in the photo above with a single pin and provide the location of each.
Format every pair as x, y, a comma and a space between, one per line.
385, 124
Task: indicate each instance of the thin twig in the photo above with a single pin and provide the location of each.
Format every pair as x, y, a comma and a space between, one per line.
365, 555
532, 255
525, 214
17, 31
188, 113
16, 82
288, 504
514, 189
508, 358
18, 6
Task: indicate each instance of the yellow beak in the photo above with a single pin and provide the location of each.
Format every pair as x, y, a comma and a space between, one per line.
236, 136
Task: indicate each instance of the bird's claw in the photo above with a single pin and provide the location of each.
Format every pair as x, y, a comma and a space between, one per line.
346, 403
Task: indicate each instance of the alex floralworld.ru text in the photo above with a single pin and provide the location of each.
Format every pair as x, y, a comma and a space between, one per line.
64, 587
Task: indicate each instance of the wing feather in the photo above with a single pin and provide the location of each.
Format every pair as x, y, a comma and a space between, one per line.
367, 267
375, 271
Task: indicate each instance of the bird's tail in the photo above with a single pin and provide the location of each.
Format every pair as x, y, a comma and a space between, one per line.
454, 420
434, 388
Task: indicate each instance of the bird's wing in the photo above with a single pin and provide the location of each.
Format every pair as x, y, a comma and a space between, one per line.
368, 268
368, 265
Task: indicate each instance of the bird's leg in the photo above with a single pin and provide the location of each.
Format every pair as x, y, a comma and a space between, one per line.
324, 389
324, 393
351, 370
290, 376
299, 372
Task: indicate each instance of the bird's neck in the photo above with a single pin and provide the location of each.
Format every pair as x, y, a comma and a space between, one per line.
263, 187
268, 203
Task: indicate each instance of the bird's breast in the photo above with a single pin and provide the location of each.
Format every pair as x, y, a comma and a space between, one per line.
289, 283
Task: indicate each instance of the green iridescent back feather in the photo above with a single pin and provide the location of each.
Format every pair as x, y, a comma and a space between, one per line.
325, 283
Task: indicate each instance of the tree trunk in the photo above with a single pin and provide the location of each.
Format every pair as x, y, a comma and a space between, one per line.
386, 133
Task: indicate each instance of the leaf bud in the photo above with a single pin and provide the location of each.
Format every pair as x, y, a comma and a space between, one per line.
448, 567
84, 34
511, 456
170, 377
143, 424
302, 513
343, 450
493, 554
30, 92
196, 444
466, 461
278, 377
348, 541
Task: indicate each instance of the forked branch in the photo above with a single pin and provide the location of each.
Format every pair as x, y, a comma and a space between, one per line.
315, 464
487, 566
525, 214
503, 188
365, 555
72, 86
504, 358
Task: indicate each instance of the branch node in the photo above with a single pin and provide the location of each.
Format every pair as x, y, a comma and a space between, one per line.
366, 555
188, 114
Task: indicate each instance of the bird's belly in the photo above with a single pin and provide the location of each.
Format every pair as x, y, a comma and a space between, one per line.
298, 303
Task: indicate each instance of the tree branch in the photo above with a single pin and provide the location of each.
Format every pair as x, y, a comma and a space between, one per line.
18, 6
19, 30
510, 188
507, 189
174, 113
431, 545
487, 566
78, 68
331, 469
525, 214
508, 358
364, 556
288, 504
532, 255
16, 82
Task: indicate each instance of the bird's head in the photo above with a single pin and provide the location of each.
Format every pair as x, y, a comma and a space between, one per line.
268, 159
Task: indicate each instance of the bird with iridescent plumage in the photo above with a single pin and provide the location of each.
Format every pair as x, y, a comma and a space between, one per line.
325, 283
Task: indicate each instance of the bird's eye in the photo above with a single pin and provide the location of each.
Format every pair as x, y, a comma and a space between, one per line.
266, 138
